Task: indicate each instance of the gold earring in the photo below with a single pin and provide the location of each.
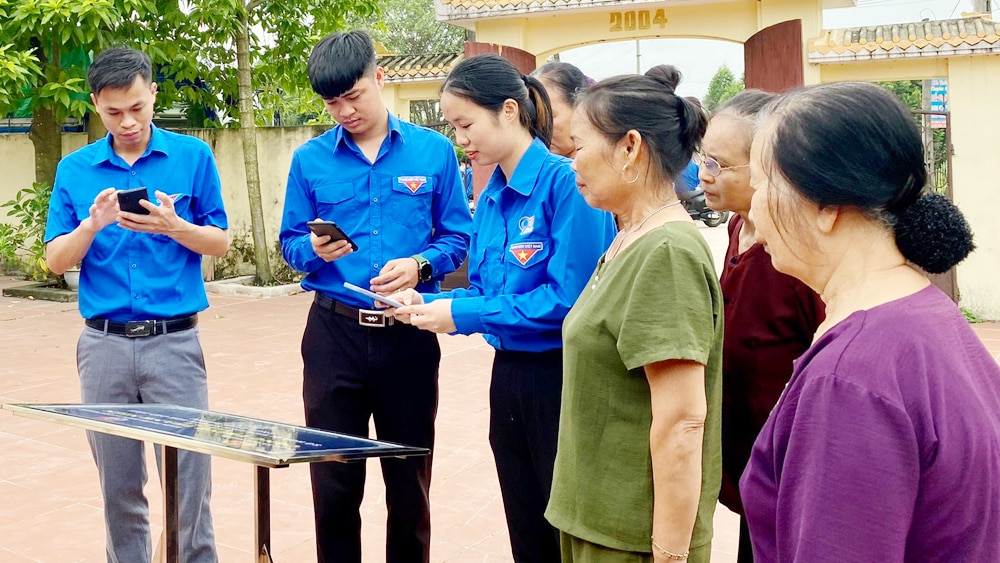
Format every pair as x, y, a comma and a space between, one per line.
633, 180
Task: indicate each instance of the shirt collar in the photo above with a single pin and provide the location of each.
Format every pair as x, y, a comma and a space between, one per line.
341, 138
526, 174
157, 143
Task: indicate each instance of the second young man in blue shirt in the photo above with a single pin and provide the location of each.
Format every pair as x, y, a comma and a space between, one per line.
394, 188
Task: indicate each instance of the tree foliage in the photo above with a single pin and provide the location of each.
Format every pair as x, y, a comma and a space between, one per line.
268, 40
203, 51
17, 68
723, 86
909, 91
410, 27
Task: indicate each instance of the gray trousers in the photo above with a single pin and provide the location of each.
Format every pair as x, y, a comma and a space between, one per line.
166, 368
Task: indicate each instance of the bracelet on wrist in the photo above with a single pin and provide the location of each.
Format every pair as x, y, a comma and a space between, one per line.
669, 554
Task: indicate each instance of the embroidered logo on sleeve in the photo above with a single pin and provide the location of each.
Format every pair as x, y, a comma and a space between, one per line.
527, 225
413, 183
523, 251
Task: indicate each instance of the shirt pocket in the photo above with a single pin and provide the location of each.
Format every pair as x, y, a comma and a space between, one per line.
82, 211
183, 206
335, 201
530, 255
412, 197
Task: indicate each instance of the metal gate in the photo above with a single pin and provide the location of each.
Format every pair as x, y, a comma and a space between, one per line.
935, 127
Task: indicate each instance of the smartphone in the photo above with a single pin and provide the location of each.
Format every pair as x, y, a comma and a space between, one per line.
330, 228
373, 295
128, 200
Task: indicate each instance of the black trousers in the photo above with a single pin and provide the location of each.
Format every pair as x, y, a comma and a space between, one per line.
351, 374
745, 552
525, 395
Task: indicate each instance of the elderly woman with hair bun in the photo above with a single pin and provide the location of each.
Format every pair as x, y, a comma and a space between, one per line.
638, 465
885, 445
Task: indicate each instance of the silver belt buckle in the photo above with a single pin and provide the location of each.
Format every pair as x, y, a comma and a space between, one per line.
139, 329
373, 318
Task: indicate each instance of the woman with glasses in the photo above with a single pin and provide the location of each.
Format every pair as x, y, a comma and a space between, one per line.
637, 470
770, 316
885, 445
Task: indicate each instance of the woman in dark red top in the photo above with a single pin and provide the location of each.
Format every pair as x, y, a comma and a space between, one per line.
770, 317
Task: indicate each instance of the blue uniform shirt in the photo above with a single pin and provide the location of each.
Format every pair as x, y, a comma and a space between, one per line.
409, 201
688, 178
535, 244
125, 275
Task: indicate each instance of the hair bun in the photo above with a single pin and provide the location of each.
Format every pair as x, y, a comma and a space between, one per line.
667, 75
933, 234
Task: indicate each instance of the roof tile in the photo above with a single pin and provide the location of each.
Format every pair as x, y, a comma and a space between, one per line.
941, 38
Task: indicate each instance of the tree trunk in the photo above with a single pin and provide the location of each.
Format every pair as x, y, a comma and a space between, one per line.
95, 127
47, 140
249, 129
45, 134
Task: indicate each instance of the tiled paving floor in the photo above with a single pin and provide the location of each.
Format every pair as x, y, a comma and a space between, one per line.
50, 507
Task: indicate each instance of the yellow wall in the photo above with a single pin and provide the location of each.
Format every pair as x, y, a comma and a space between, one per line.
885, 70
398, 95
18, 157
548, 34
973, 83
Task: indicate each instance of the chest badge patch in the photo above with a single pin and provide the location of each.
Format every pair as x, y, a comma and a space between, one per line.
526, 225
413, 183
523, 251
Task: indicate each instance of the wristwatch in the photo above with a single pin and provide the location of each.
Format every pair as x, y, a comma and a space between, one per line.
424, 270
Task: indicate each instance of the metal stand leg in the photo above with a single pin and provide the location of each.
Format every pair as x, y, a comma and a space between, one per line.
169, 483
262, 514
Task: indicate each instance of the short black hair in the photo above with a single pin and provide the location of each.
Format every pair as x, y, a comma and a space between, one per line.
339, 60
117, 68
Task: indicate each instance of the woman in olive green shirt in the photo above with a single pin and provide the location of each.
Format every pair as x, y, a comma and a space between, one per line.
638, 464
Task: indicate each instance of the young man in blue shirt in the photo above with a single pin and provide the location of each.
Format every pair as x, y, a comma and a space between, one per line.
140, 289
394, 189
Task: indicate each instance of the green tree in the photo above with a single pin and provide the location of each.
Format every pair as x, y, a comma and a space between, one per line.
45, 49
909, 91
723, 86
47, 44
268, 40
410, 27
16, 71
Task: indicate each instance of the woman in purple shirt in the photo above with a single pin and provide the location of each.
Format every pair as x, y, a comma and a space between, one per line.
885, 445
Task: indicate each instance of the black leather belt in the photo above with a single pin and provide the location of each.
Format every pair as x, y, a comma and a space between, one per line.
140, 329
366, 317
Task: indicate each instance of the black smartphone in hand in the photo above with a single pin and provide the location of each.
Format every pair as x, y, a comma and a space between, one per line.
128, 200
330, 228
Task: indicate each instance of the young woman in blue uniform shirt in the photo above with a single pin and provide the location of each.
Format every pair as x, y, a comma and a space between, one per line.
535, 242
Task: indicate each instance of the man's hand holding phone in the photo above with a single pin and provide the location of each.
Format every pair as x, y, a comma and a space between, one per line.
328, 241
138, 213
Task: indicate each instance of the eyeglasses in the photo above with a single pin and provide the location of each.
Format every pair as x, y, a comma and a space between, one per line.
712, 166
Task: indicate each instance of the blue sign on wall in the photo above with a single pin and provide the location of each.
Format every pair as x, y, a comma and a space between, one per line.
939, 101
